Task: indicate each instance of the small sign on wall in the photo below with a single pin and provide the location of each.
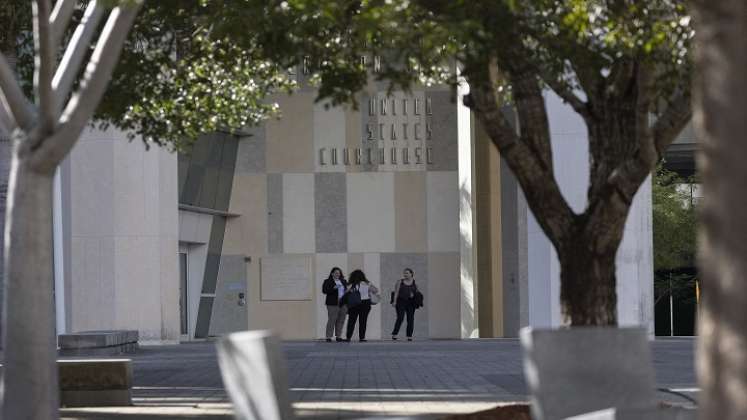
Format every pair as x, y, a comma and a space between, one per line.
285, 277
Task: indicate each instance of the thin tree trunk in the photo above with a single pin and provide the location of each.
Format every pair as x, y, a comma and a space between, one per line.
5, 161
587, 284
720, 102
30, 363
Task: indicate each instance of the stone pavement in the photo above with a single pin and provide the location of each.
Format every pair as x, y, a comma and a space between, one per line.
357, 380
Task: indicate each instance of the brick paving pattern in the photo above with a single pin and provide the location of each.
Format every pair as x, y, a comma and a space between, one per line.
358, 380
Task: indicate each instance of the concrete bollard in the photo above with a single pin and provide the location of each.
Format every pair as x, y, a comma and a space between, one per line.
252, 365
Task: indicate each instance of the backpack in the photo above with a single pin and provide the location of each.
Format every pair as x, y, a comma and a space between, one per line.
353, 298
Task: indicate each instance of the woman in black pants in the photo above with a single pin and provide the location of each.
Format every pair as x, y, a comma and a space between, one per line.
404, 302
359, 283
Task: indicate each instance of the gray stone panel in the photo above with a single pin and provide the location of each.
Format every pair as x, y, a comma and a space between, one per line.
392, 265
228, 316
373, 120
203, 316
443, 123
250, 157
275, 213
330, 204
192, 183
226, 171
182, 169
510, 252
208, 187
212, 263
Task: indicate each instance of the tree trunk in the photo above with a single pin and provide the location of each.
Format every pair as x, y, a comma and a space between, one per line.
5, 160
31, 379
720, 101
587, 284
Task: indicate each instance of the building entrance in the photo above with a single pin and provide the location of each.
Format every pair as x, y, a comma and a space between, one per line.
183, 301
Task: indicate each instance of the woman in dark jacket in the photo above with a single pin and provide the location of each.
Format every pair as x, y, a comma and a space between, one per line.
334, 287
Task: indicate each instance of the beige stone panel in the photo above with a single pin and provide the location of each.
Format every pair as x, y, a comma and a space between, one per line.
92, 175
290, 142
443, 295
290, 320
487, 189
323, 265
371, 212
496, 234
137, 286
92, 291
247, 233
410, 207
444, 200
299, 222
169, 280
135, 192
329, 134
355, 261
168, 191
353, 134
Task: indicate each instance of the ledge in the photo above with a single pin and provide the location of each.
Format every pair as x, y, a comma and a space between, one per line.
205, 210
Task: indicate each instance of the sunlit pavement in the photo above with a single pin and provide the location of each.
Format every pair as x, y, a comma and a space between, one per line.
357, 380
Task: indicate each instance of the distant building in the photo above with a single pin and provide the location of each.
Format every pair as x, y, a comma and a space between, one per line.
240, 233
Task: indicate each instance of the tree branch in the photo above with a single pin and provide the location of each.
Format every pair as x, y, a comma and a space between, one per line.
567, 95
7, 125
534, 175
20, 108
75, 53
533, 122
644, 97
674, 120
58, 20
92, 87
45, 61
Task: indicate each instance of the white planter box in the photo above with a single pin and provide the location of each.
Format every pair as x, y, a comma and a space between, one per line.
576, 371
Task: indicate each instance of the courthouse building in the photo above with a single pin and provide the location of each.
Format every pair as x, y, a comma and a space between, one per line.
240, 233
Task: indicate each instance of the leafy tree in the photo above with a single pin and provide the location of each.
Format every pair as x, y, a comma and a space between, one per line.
674, 221
42, 132
173, 84
622, 65
674, 226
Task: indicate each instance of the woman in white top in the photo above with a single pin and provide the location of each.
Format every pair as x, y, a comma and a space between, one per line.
359, 283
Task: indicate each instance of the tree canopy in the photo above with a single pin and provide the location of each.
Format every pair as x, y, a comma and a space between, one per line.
623, 65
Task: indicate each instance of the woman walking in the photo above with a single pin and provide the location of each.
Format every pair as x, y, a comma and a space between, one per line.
403, 300
360, 284
334, 287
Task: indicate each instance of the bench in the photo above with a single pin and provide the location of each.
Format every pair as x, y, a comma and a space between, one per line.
95, 382
98, 343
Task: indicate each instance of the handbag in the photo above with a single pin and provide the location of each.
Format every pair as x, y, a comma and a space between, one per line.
375, 297
418, 299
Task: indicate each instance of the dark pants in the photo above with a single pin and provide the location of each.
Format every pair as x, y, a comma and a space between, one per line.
404, 307
360, 311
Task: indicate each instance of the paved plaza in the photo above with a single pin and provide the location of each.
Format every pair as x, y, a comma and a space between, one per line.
358, 380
